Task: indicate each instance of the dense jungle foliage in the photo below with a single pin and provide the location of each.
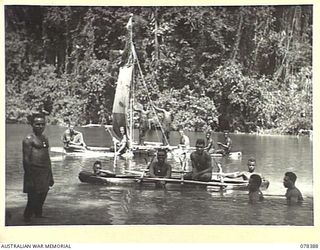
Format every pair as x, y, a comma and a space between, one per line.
241, 68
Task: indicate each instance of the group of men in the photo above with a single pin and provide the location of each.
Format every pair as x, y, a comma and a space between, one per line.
38, 176
144, 122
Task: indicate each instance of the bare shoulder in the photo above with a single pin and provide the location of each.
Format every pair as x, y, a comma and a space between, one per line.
295, 192
168, 165
28, 138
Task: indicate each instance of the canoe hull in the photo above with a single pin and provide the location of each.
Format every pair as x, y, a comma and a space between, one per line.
88, 177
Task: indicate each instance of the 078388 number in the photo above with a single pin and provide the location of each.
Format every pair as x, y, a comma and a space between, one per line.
309, 246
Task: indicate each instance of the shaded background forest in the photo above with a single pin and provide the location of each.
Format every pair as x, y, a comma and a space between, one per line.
238, 67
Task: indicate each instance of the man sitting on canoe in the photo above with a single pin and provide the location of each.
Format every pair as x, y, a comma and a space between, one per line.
73, 139
209, 143
184, 140
201, 163
160, 168
226, 146
123, 144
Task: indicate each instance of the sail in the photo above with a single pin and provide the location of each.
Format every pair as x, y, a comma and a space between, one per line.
121, 99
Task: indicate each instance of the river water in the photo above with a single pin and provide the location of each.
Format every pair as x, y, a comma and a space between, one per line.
71, 202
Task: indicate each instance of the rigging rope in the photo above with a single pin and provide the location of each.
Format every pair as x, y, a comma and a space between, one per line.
148, 95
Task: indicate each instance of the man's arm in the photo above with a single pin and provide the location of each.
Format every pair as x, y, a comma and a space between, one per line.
158, 109
207, 170
64, 138
229, 143
222, 145
210, 144
151, 171
122, 145
168, 174
26, 152
187, 142
194, 168
81, 140
236, 175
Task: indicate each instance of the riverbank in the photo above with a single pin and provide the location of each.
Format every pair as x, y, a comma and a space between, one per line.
260, 131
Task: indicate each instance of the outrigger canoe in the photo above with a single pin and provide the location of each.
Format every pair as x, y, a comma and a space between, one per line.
148, 149
233, 155
84, 151
225, 183
236, 154
103, 151
90, 151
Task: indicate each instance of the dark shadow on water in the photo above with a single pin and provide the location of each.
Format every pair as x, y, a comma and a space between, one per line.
104, 205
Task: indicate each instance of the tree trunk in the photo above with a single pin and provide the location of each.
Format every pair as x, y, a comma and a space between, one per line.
238, 37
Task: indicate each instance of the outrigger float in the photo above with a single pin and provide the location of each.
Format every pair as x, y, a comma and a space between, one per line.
138, 178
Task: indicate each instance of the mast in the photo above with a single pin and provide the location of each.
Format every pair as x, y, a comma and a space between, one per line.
122, 102
129, 27
131, 133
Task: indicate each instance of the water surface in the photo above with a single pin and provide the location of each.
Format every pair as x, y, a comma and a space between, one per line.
71, 202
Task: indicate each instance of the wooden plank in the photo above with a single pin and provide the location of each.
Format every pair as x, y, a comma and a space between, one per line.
180, 181
92, 148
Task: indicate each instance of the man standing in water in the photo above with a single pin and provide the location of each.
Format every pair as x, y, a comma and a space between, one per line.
254, 185
166, 124
37, 168
160, 168
293, 194
245, 174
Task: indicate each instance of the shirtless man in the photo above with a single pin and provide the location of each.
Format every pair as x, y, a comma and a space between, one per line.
143, 123
37, 168
255, 194
226, 146
184, 140
123, 143
245, 175
293, 194
166, 124
160, 168
73, 139
209, 143
201, 163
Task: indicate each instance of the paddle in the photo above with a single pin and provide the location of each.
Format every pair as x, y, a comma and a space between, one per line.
151, 161
111, 174
115, 154
171, 180
108, 173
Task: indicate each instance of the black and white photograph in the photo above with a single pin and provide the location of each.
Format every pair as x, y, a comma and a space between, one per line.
159, 115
